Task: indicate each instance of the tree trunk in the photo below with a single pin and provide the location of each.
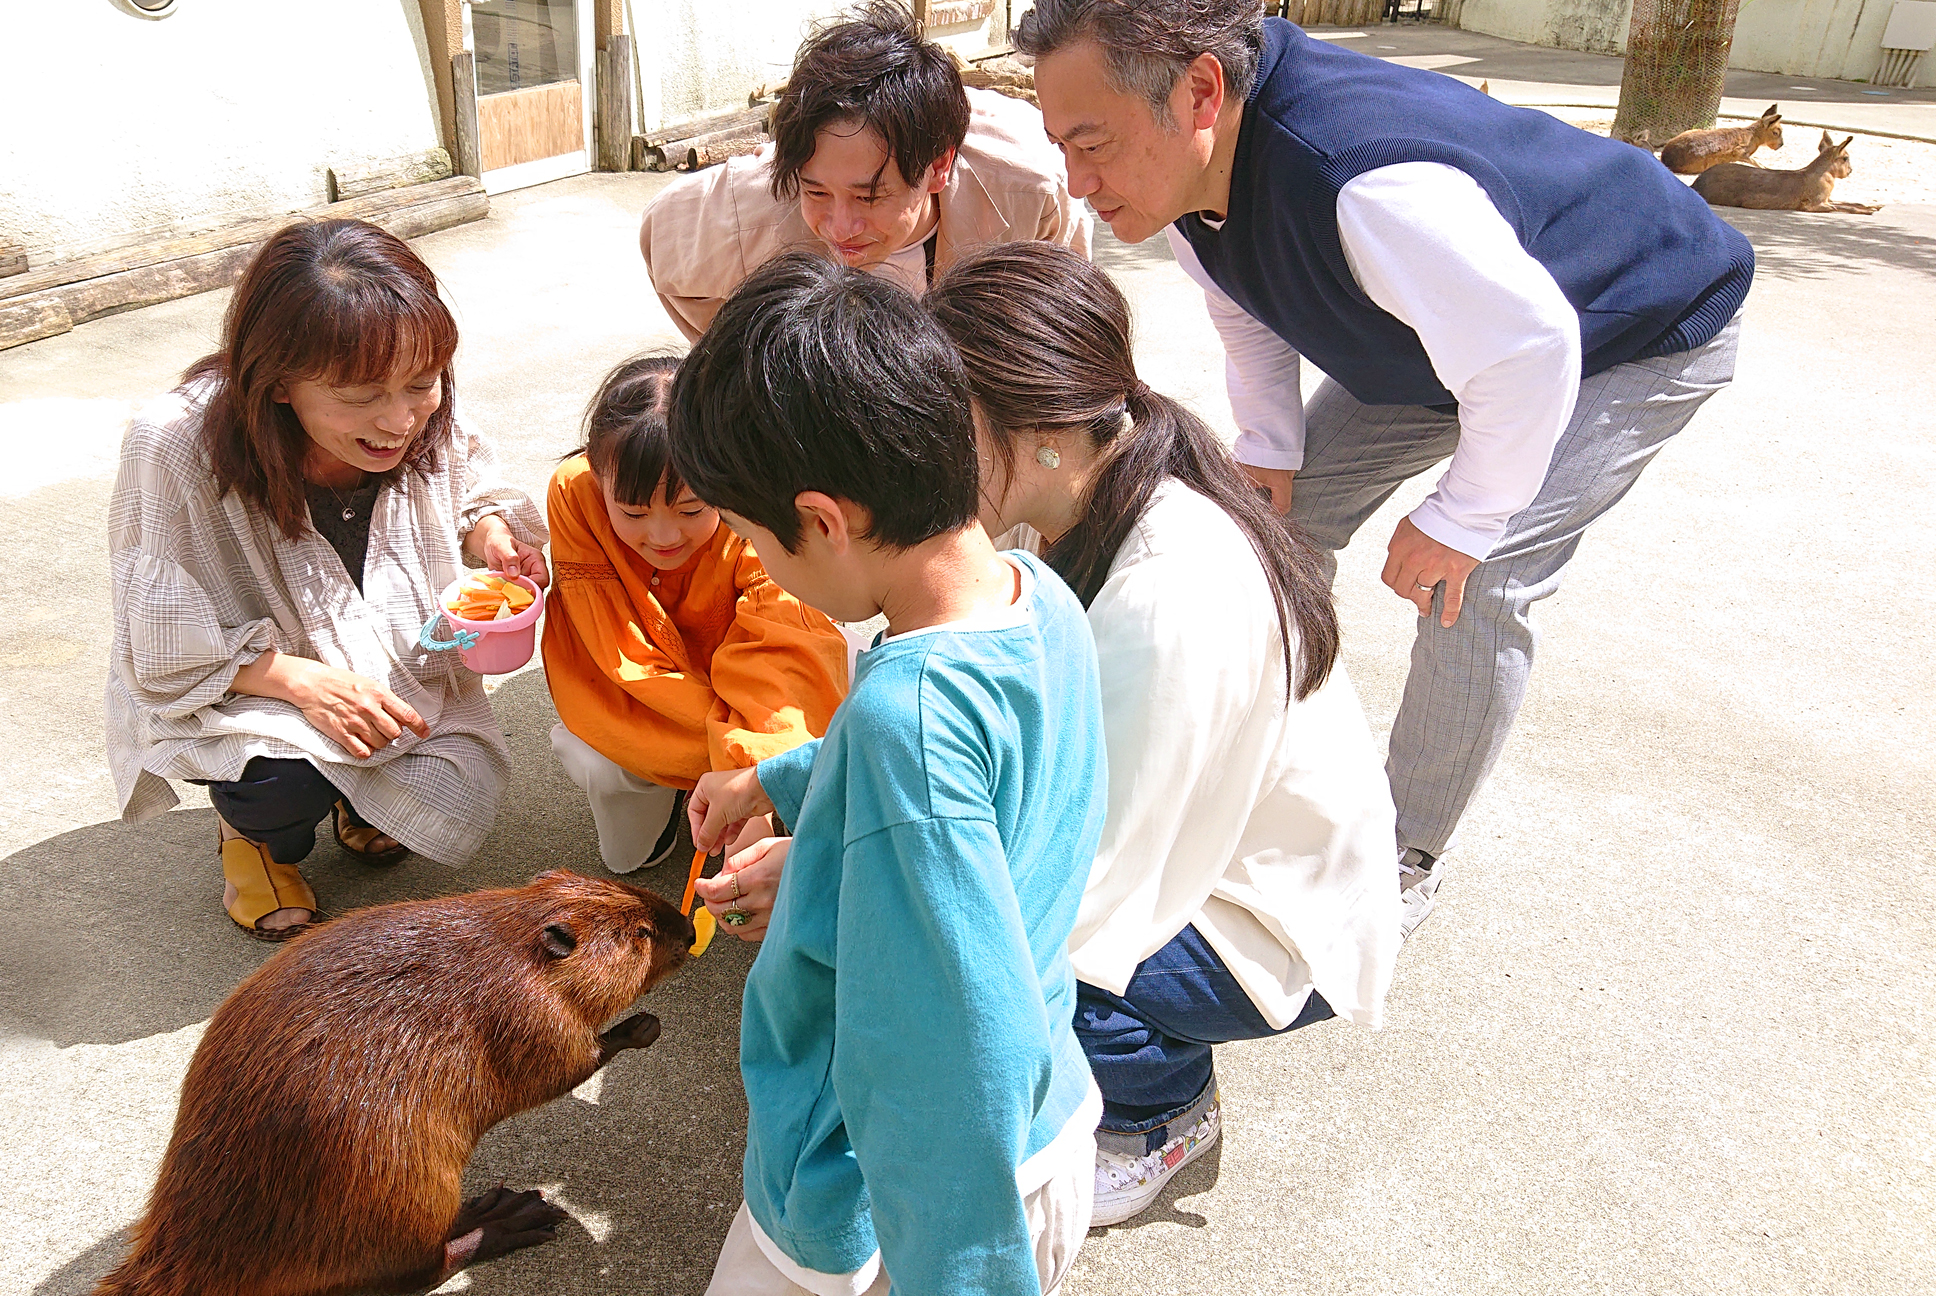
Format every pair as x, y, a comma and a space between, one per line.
1677, 60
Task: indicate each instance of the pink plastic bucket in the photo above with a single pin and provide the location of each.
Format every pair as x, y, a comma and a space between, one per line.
488, 647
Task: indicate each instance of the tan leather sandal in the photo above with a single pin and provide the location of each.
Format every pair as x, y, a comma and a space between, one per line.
263, 886
356, 838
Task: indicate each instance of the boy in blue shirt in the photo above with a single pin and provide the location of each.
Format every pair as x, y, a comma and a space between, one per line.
920, 1115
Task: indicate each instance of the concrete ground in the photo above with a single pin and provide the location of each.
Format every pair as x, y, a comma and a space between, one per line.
1669, 1031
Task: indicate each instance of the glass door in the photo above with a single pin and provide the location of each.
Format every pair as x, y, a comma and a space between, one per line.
533, 89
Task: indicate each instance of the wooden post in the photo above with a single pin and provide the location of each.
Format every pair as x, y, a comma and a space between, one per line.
921, 16
13, 260
614, 71
467, 156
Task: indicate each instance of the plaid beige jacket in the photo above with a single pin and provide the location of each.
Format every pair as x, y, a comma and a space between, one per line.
204, 584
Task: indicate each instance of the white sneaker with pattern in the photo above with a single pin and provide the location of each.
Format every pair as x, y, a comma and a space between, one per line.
1126, 1184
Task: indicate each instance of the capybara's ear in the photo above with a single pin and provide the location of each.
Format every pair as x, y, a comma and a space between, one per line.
558, 940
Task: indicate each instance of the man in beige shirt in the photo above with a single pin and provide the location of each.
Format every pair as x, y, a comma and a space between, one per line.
880, 157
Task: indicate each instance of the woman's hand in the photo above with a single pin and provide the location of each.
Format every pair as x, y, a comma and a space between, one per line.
748, 883
492, 541
721, 803
357, 714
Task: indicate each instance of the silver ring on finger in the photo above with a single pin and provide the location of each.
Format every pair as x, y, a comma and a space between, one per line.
1427, 588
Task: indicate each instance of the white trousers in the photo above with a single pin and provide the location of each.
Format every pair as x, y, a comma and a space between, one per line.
630, 812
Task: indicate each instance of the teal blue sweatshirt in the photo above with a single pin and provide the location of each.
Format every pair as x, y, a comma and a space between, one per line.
906, 1040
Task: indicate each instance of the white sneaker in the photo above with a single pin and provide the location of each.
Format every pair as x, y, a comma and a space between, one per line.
1127, 1183
1419, 876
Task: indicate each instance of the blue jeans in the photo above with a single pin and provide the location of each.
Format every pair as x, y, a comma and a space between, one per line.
1149, 1047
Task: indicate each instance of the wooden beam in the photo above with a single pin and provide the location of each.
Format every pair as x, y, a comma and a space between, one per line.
615, 105
13, 260
51, 301
443, 25
467, 154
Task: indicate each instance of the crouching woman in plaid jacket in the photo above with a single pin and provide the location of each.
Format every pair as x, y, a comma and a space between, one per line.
281, 528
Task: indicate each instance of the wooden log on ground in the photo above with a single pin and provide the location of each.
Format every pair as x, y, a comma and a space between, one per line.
13, 260
694, 152
29, 319
374, 208
53, 300
719, 148
615, 105
704, 124
391, 173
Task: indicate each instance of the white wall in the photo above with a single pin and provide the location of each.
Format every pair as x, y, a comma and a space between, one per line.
1824, 38
1597, 26
119, 127
1819, 38
698, 56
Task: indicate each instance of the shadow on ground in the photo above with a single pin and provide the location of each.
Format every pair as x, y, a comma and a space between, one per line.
113, 932
1823, 245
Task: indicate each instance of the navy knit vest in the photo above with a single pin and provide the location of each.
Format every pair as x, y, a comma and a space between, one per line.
1650, 269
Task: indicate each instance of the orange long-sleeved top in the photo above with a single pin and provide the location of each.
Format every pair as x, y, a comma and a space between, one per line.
713, 667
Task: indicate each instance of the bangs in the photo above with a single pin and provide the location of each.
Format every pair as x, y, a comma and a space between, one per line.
637, 463
362, 330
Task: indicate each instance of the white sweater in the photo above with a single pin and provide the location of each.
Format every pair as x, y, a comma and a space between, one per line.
1268, 825
1427, 246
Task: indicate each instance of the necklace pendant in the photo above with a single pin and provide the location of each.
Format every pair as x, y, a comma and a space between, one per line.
349, 514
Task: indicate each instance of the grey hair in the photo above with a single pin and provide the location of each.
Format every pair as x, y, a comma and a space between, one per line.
1148, 44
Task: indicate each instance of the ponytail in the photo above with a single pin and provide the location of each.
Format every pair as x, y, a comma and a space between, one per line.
1045, 337
1166, 440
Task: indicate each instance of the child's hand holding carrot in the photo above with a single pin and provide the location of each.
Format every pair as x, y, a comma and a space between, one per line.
720, 805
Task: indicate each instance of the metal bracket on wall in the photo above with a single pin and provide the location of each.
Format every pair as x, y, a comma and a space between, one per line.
146, 8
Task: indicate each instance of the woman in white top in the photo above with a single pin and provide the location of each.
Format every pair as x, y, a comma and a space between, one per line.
1243, 886
280, 531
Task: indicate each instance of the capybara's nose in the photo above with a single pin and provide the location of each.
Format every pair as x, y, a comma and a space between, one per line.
677, 926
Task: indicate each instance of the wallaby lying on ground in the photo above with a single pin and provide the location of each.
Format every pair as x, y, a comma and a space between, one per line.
1692, 152
1735, 184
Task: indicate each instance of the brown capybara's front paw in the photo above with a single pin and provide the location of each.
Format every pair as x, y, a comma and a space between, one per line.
641, 1030
498, 1222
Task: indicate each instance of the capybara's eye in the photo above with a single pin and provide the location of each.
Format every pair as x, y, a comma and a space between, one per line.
644, 932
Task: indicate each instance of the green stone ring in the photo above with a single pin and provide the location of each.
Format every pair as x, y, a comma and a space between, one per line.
735, 917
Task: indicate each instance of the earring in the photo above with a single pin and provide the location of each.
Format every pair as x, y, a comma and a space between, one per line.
1048, 456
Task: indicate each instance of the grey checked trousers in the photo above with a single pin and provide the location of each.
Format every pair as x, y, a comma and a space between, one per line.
1466, 684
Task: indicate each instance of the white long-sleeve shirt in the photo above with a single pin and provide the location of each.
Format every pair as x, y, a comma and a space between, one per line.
1426, 244
1265, 822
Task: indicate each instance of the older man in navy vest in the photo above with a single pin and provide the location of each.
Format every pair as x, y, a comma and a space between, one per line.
1544, 306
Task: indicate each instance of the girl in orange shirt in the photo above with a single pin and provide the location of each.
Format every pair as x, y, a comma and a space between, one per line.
668, 651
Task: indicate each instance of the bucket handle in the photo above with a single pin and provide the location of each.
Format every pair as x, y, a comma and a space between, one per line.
459, 638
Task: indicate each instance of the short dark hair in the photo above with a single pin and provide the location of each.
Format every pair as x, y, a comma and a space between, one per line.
625, 430
818, 377
1147, 44
871, 67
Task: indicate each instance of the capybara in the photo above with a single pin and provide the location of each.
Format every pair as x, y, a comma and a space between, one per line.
336, 1096
1694, 151
1807, 189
